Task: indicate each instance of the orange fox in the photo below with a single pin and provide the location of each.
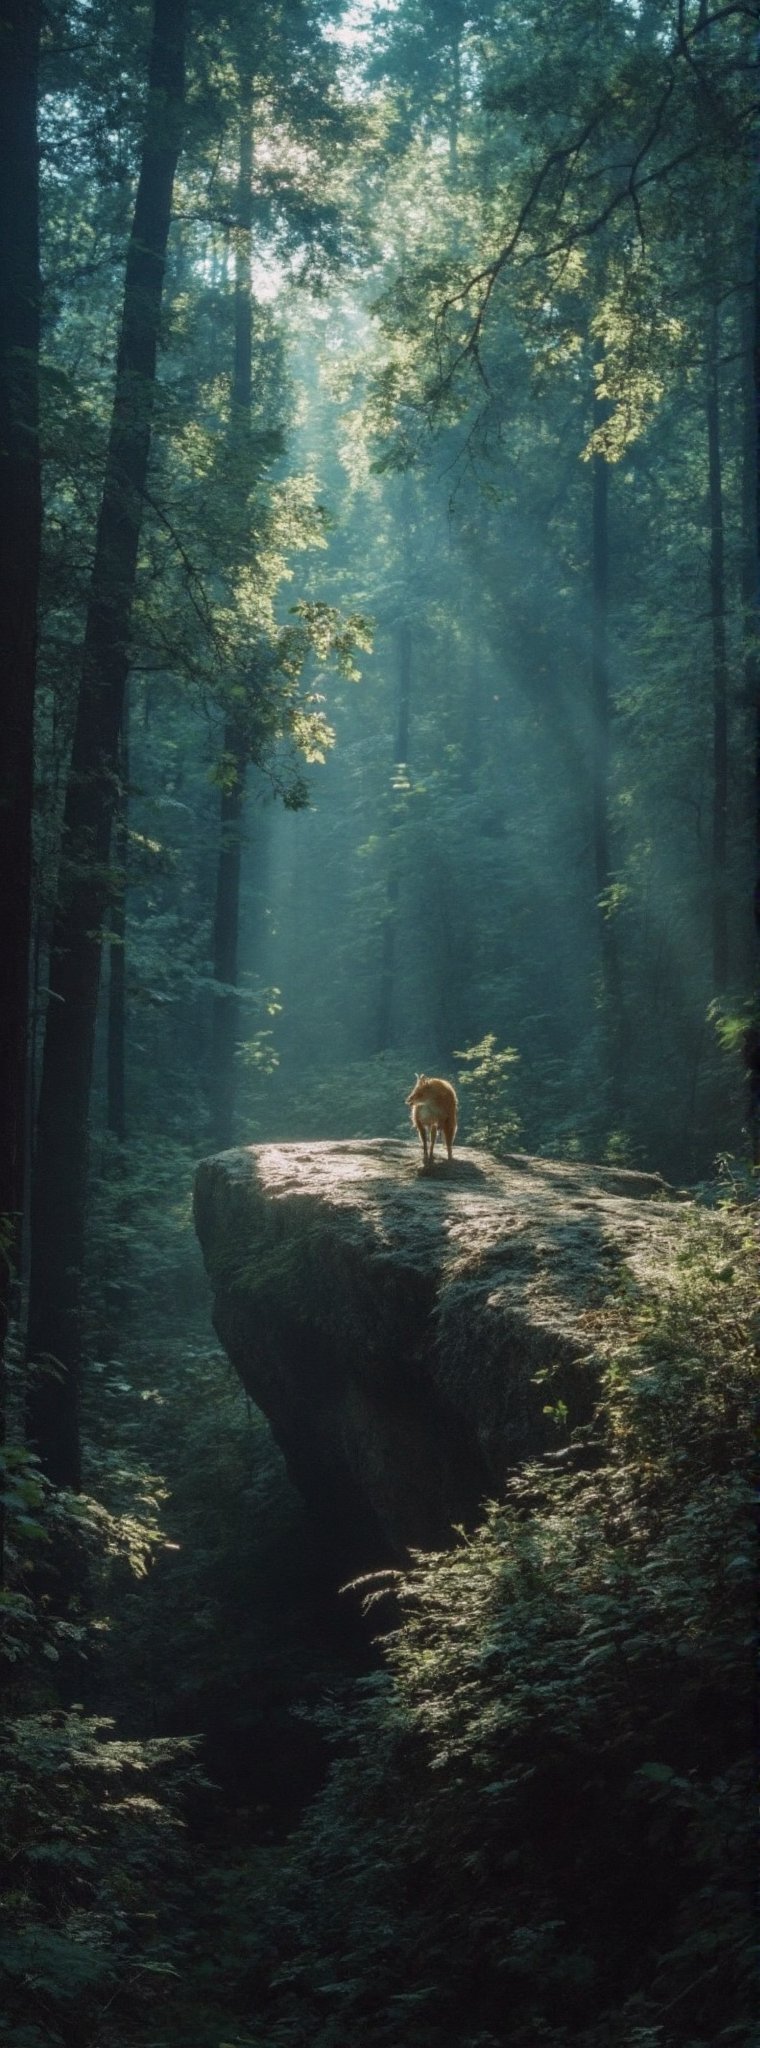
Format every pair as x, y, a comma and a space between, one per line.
433, 1105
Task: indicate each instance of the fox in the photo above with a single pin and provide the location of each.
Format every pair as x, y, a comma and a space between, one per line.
433, 1104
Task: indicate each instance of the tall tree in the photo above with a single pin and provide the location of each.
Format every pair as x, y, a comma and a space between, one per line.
385, 994
117, 950
226, 1008
59, 1190
285, 70
751, 593
750, 563
20, 524
720, 674
601, 742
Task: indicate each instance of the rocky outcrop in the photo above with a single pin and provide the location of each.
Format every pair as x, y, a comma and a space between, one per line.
407, 1335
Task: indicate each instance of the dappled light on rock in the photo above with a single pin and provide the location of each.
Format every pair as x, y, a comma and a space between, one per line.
412, 1338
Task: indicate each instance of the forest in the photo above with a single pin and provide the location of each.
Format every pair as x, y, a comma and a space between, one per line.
380, 635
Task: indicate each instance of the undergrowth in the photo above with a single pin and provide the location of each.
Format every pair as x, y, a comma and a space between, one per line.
535, 1827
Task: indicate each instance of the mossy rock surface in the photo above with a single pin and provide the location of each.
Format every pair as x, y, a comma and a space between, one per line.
412, 1338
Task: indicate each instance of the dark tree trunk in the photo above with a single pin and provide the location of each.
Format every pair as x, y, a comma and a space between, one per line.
718, 888
20, 521
258, 863
384, 1026
749, 597
751, 591
754, 579
116, 1082
225, 1022
609, 957
58, 1200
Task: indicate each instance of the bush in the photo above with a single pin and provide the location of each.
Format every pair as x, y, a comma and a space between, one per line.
537, 1828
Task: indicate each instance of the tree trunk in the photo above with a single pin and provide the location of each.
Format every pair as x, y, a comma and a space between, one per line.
225, 1021
718, 888
58, 1201
752, 555
116, 1084
750, 613
751, 593
20, 522
600, 780
258, 866
384, 1027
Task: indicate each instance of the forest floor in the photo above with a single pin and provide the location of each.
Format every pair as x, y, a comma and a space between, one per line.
172, 1754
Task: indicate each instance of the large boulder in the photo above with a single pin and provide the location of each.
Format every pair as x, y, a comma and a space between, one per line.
412, 1338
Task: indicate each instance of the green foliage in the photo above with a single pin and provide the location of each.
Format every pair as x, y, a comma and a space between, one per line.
494, 1121
259, 1054
91, 1825
535, 1827
90, 1835
7, 1241
731, 1022
140, 1238
360, 1099
196, 1597
539, 1816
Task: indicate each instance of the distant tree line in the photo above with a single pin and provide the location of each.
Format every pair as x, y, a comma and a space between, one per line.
450, 326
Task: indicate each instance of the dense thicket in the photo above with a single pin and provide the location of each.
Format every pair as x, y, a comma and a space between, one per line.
538, 1828
395, 675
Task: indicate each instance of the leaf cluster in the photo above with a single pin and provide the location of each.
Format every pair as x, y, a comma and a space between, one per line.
494, 1121
92, 1844
538, 1821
